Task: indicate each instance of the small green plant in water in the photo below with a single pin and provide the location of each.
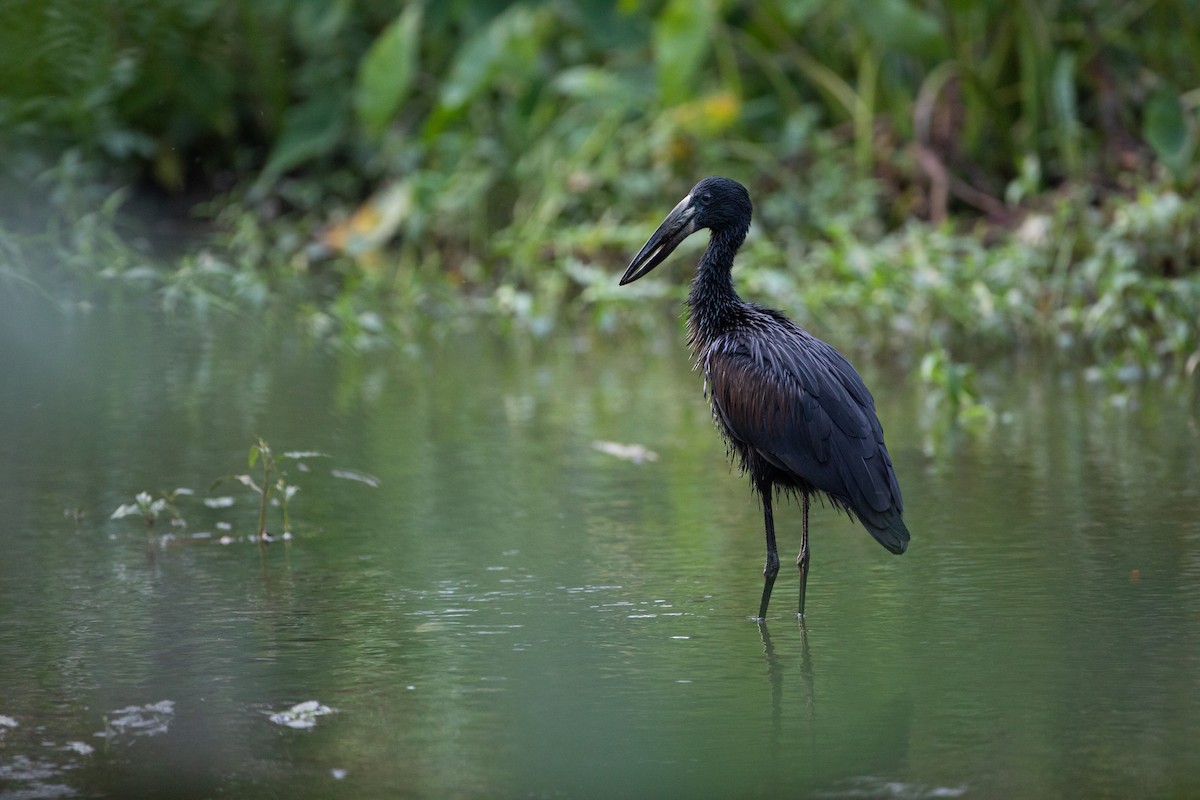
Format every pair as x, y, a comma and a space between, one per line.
272, 480
150, 508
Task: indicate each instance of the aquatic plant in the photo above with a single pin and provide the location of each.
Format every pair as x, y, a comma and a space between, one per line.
271, 485
151, 508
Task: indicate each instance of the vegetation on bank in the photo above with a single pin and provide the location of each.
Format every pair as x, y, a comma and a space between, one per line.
928, 176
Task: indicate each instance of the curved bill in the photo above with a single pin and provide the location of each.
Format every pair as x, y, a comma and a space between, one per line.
678, 225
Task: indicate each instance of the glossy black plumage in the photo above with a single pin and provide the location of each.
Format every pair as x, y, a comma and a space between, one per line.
793, 410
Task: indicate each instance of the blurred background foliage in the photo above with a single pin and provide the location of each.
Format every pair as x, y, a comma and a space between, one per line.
929, 177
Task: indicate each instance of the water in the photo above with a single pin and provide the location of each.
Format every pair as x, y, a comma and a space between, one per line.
515, 612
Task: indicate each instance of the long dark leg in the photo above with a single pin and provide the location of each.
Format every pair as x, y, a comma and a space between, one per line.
772, 566
803, 558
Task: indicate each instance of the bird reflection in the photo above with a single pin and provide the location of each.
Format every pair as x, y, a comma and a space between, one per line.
775, 669
775, 676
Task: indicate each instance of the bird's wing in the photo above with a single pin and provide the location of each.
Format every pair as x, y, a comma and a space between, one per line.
804, 408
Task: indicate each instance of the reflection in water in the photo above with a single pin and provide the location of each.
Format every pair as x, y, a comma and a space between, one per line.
514, 612
775, 677
775, 672
806, 702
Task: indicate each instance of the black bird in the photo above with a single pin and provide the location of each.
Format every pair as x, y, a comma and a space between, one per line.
792, 409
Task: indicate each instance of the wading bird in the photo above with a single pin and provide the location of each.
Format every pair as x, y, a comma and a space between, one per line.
792, 409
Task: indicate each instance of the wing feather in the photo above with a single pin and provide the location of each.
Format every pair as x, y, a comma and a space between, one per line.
801, 405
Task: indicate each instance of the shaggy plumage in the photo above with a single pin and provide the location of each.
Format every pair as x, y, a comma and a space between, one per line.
791, 408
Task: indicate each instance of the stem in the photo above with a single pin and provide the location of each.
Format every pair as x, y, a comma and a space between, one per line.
283, 500
262, 514
265, 498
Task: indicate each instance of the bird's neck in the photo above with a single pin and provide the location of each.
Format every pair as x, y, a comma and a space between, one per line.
713, 302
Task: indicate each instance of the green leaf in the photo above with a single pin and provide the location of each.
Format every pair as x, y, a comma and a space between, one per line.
1063, 91
1066, 109
309, 130
125, 510
798, 12
902, 26
587, 82
253, 459
506, 49
682, 34
1165, 127
248, 482
387, 71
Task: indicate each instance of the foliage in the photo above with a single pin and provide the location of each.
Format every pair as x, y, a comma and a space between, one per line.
944, 175
271, 486
150, 508
455, 93
273, 480
1114, 276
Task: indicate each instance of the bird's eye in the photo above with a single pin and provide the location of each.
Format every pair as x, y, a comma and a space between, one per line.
706, 197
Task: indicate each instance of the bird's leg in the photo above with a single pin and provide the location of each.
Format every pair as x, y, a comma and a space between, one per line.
802, 558
772, 566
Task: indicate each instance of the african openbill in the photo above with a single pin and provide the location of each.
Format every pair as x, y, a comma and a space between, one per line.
792, 409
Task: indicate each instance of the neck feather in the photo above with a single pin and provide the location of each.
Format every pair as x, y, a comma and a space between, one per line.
713, 301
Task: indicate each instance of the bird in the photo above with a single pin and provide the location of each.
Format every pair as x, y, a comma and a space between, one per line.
795, 415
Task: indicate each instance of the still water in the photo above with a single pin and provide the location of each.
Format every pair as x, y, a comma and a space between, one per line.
490, 605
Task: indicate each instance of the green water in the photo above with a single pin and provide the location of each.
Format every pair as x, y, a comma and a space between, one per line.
512, 612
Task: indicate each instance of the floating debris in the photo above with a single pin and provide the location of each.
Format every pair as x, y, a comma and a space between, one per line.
628, 452
148, 720
7, 722
33, 773
79, 747
219, 502
353, 475
869, 786
302, 716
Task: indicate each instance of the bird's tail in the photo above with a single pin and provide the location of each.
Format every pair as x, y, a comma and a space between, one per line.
893, 534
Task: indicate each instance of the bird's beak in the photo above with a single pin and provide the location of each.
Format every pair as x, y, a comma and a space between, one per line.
678, 225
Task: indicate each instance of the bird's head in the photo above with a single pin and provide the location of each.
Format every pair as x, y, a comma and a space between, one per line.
719, 204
